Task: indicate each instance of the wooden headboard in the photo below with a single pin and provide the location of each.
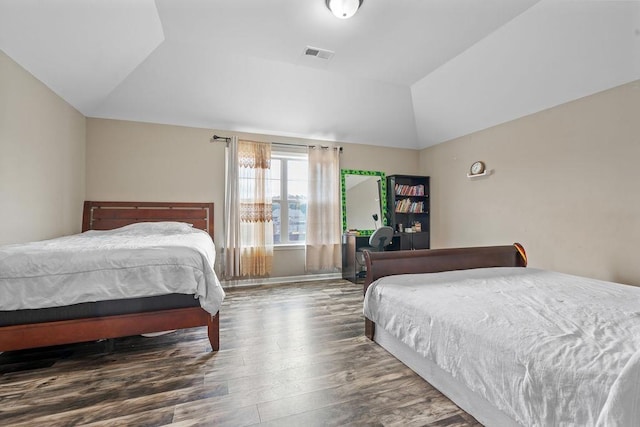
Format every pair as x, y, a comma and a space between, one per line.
110, 215
380, 264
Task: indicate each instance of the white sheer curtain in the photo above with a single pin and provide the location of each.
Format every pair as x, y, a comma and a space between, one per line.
232, 212
248, 210
323, 249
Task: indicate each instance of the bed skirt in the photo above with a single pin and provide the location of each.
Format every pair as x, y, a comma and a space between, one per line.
470, 402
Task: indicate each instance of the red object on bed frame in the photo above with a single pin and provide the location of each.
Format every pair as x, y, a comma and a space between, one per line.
381, 264
106, 216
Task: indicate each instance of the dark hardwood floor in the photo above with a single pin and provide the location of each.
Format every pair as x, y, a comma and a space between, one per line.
291, 355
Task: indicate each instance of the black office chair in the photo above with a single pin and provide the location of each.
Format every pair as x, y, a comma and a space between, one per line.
379, 239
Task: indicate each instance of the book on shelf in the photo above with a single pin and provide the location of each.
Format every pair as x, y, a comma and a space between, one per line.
409, 190
408, 206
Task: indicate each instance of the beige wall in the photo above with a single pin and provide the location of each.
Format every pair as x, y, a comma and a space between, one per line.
133, 161
42, 159
151, 162
563, 180
564, 183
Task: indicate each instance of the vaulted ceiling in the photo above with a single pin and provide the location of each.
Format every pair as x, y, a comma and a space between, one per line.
404, 73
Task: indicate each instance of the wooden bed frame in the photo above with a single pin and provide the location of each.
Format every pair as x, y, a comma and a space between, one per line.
106, 216
381, 264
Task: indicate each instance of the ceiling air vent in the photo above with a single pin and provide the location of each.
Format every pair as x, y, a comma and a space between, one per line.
318, 53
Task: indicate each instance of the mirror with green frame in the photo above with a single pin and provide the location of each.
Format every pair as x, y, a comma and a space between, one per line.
363, 200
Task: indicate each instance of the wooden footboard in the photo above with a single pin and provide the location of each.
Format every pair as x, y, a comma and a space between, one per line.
381, 264
213, 331
31, 335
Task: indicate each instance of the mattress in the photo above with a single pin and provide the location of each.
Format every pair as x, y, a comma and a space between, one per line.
539, 347
136, 261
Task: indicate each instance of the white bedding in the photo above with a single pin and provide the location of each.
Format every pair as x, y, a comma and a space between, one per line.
138, 260
544, 348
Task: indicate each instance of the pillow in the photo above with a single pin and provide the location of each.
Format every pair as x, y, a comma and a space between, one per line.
158, 227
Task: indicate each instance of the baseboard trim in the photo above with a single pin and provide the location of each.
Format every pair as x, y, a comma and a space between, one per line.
277, 280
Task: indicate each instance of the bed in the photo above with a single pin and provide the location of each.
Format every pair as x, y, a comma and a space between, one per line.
512, 346
89, 317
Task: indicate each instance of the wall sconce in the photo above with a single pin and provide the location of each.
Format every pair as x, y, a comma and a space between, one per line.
344, 9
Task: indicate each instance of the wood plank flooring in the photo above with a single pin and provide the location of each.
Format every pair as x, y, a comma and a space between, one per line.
291, 355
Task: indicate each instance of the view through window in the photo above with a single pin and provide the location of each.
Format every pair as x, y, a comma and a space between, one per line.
289, 178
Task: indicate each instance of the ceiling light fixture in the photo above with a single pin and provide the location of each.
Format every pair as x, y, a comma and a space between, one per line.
344, 9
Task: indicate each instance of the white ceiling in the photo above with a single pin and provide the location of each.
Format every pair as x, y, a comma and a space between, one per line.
406, 73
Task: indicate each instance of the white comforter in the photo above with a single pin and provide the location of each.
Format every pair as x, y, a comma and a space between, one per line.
547, 349
138, 260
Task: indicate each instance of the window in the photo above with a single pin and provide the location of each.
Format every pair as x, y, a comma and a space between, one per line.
289, 176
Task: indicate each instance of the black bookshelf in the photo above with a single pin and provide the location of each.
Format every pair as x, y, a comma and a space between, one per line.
408, 208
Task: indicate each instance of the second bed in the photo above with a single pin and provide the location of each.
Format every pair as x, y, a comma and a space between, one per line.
508, 344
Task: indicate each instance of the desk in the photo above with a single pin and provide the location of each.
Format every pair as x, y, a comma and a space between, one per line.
351, 242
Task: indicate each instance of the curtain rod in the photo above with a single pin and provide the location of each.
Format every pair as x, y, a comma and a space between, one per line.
227, 139
223, 138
